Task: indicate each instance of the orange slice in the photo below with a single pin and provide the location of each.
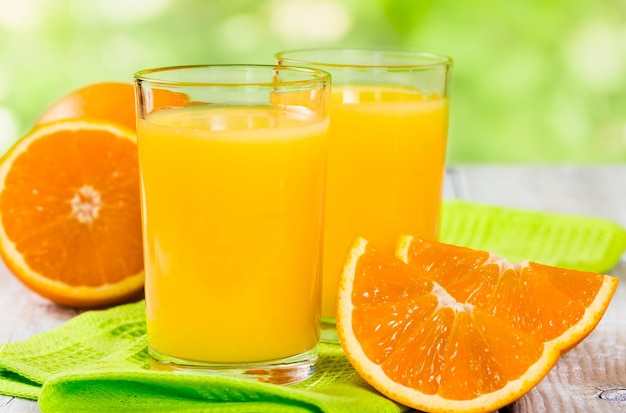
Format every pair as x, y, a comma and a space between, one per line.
70, 214
554, 304
446, 333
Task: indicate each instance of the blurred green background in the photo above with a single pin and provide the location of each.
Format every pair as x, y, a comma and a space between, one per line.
534, 81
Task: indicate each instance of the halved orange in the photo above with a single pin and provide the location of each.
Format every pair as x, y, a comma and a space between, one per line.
448, 332
70, 223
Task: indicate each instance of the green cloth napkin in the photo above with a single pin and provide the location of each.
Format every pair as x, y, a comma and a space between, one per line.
98, 362
569, 241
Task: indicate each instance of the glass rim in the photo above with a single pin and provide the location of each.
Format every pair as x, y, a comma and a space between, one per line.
436, 59
317, 75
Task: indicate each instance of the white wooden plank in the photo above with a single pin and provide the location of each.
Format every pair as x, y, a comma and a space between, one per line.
590, 377
598, 191
24, 313
16, 405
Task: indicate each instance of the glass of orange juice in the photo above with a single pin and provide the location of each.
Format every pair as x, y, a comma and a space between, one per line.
232, 161
386, 151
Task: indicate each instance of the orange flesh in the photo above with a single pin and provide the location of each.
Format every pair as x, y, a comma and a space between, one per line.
436, 349
457, 329
526, 295
71, 206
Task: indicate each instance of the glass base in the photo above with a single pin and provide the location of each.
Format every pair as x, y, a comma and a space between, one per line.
329, 331
289, 370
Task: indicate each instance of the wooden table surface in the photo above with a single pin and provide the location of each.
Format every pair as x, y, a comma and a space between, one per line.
590, 378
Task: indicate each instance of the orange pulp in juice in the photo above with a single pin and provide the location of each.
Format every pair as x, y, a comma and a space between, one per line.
386, 154
232, 217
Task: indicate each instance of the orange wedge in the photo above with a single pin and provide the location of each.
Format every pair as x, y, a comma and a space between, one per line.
459, 330
70, 223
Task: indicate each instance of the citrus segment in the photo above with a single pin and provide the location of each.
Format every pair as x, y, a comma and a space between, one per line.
548, 302
69, 212
425, 335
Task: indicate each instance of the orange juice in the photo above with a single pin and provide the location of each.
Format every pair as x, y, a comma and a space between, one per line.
232, 232
386, 154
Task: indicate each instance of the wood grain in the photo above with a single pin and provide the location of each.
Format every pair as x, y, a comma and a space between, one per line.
592, 376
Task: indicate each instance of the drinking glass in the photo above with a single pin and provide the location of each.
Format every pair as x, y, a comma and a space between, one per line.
232, 161
386, 151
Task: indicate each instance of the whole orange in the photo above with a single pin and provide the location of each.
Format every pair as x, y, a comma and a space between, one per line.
109, 101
